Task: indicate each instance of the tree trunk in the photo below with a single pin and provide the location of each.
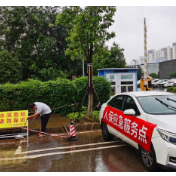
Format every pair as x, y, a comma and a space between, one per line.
90, 83
90, 88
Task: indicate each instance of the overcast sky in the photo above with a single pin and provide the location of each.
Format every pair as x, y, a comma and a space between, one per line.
129, 29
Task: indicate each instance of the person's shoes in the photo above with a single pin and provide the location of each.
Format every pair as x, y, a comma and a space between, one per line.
40, 135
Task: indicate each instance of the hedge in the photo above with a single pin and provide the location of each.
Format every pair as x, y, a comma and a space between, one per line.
54, 93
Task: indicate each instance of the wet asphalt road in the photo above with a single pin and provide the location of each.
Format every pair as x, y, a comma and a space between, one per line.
90, 153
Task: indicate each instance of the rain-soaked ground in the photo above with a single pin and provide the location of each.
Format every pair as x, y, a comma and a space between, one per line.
90, 153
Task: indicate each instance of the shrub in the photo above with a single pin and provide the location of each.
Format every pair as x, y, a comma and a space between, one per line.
172, 74
153, 75
94, 116
169, 88
54, 93
174, 89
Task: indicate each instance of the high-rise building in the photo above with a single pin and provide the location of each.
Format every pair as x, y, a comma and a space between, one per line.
154, 57
174, 50
151, 56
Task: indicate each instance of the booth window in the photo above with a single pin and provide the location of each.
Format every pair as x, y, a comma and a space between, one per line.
127, 76
126, 82
113, 83
123, 89
111, 77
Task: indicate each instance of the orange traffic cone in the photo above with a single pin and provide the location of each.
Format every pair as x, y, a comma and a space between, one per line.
72, 132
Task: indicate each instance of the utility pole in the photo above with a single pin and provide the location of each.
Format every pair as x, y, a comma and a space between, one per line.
145, 52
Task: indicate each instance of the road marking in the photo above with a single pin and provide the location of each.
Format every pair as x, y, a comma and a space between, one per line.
66, 152
18, 150
66, 147
79, 132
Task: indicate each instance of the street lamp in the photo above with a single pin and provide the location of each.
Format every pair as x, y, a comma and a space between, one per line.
135, 61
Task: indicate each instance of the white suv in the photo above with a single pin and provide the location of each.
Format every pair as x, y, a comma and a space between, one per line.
145, 120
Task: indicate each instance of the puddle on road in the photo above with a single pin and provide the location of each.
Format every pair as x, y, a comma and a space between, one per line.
45, 162
41, 164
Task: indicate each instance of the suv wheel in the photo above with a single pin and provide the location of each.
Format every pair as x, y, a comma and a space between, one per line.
148, 159
106, 135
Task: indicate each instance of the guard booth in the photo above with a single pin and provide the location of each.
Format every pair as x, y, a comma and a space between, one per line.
122, 79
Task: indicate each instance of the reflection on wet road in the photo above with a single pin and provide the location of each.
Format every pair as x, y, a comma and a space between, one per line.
90, 153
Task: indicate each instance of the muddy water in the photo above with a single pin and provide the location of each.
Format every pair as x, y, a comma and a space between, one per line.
55, 121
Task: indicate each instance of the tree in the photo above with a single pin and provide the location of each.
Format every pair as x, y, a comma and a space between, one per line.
153, 75
87, 34
10, 68
172, 75
37, 43
140, 73
106, 58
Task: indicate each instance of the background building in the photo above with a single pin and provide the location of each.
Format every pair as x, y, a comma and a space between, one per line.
166, 68
155, 57
151, 58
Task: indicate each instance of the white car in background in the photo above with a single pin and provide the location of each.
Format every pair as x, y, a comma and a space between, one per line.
156, 83
138, 83
154, 80
163, 83
171, 82
147, 121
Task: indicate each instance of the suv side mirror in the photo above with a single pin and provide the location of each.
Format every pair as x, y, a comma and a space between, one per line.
129, 112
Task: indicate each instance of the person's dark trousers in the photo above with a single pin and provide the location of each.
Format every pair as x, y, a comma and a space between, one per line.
44, 121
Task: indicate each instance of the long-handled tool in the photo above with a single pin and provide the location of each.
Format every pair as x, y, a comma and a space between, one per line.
66, 130
21, 136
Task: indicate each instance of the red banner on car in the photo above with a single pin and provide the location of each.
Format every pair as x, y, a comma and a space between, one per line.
136, 129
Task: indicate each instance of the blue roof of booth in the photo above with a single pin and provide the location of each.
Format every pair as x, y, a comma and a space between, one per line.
118, 69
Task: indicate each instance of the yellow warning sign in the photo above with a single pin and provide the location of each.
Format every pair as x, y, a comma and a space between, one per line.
13, 118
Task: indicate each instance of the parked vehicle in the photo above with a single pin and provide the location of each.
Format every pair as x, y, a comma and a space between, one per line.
165, 83
162, 83
155, 84
145, 120
171, 82
155, 80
